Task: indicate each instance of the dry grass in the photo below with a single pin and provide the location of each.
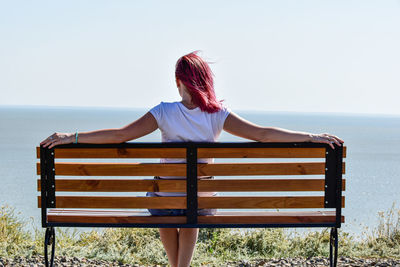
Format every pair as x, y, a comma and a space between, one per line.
214, 245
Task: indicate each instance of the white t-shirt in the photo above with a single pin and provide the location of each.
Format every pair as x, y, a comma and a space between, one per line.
177, 123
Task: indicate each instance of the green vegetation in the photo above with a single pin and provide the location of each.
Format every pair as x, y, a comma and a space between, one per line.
214, 245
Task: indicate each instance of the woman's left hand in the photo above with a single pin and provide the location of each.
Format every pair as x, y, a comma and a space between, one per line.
58, 139
326, 138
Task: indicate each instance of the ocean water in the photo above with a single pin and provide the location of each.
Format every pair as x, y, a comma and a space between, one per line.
372, 164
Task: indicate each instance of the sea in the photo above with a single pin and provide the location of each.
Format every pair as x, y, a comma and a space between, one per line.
372, 163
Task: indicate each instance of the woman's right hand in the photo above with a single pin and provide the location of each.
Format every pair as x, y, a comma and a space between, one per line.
58, 139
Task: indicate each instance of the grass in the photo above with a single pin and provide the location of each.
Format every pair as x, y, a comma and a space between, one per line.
136, 245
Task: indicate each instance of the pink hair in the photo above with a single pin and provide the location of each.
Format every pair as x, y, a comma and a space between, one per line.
197, 76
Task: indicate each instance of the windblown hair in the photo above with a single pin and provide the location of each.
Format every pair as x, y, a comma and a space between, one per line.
197, 76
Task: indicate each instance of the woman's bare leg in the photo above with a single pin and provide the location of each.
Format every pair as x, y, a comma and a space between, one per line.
170, 239
187, 243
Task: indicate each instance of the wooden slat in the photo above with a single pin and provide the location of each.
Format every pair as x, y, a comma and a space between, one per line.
119, 169
170, 169
96, 153
105, 202
139, 169
118, 185
240, 202
227, 169
262, 185
126, 217
261, 152
273, 217
109, 217
231, 185
181, 152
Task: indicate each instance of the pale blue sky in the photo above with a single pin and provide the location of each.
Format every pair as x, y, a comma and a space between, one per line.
305, 56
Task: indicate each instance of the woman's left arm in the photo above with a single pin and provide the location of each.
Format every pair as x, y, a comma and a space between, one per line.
238, 126
136, 129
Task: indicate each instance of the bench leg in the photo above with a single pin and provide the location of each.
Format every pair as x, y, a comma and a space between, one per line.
333, 247
49, 240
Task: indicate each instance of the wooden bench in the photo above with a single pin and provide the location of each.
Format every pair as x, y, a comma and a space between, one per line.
309, 190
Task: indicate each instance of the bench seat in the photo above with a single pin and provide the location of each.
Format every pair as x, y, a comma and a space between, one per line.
221, 217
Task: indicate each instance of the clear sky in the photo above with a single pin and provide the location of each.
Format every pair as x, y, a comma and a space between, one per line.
305, 56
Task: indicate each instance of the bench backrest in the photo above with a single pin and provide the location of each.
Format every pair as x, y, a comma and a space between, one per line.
275, 168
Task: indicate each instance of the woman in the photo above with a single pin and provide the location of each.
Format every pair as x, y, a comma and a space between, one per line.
199, 117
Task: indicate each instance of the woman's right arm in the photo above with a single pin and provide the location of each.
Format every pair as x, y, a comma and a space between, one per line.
136, 129
238, 126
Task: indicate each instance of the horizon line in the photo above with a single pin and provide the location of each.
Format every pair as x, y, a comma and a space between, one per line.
238, 110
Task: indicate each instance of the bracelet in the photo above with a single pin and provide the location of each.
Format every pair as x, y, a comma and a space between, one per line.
76, 137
